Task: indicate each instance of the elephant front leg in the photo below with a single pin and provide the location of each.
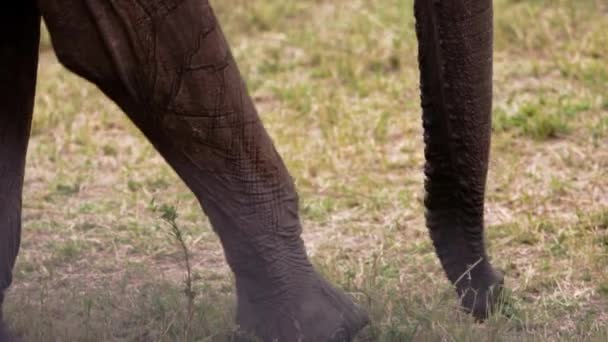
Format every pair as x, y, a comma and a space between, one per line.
19, 36
169, 67
455, 55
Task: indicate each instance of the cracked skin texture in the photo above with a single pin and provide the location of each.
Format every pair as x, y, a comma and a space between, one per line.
167, 64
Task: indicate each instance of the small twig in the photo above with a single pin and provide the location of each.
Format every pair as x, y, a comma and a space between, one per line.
445, 294
169, 215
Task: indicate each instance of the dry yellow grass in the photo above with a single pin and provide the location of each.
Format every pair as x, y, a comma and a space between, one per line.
336, 85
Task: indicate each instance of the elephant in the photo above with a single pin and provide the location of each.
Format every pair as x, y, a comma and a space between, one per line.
168, 66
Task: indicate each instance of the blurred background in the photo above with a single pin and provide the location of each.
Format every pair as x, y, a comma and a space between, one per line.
336, 84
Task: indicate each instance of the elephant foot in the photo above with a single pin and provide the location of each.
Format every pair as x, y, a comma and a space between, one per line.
318, 312
481, 292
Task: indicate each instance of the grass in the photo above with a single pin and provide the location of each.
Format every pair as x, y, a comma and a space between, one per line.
336, 85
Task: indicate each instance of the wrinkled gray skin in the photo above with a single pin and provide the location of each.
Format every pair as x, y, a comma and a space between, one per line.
167, 64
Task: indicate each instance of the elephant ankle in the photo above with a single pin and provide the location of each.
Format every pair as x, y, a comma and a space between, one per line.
476, 275
268, 266
269, 286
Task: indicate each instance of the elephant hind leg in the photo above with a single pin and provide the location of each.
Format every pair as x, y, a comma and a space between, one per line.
455, 55
19, 38
169, 67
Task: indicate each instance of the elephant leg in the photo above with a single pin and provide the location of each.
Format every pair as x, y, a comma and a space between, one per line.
19, 37
169, 67
455, 56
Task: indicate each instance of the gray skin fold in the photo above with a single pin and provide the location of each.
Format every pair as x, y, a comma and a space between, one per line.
169, 67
